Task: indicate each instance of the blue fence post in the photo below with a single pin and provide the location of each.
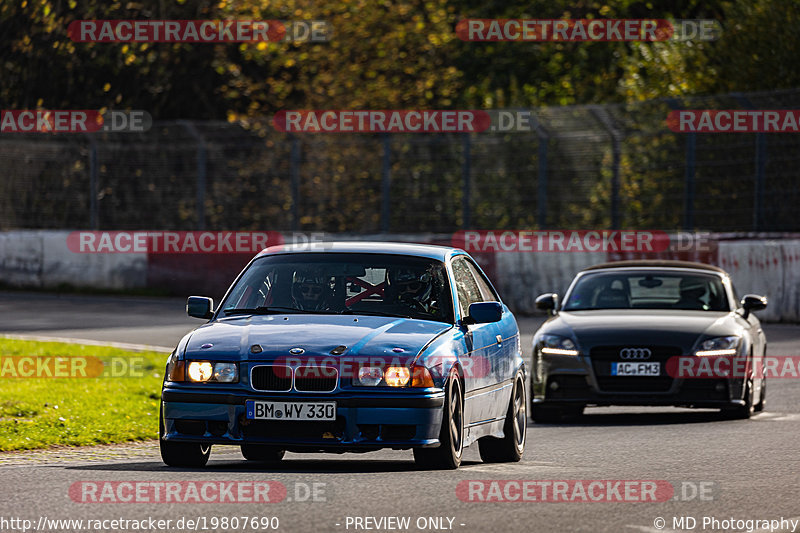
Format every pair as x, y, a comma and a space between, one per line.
761, 168
386, 183
689, 175
94, 215
295, 185
201, 160
616, 155
761, 177
541, 185
690, 181
466, 174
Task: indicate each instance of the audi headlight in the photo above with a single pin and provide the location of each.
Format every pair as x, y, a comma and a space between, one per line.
210, 371
719, 346
557, 345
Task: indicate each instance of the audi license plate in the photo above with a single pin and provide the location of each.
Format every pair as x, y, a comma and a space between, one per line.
260, 410
635, 369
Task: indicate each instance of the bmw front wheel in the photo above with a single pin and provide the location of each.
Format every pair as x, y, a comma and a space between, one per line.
509, 449
451, 437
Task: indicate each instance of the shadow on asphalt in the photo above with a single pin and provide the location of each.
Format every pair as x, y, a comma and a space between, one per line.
288, 466
229, 461
641, 419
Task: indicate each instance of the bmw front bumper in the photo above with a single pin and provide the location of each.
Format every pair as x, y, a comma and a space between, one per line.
364, 420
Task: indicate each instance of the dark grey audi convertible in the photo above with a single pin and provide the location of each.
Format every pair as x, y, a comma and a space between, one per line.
648, 333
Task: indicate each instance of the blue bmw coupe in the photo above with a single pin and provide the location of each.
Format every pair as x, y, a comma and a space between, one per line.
358, 347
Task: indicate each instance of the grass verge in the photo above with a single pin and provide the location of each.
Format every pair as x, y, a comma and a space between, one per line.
43, 412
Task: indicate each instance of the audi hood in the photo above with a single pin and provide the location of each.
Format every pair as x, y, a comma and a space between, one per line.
636, 327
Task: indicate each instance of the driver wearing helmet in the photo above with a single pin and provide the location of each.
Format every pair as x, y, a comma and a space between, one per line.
413, 289
311, 292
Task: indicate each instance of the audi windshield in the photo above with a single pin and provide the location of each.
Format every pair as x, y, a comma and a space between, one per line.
648, 290
367, 284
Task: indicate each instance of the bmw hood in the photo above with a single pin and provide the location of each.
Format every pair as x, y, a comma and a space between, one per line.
233, 337
642, 327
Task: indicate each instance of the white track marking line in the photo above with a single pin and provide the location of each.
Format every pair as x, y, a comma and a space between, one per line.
88, 342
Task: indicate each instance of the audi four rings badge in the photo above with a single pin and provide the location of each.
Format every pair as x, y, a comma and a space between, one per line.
635, 353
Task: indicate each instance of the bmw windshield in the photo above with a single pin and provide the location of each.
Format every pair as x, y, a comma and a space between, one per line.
367, 284
648, 290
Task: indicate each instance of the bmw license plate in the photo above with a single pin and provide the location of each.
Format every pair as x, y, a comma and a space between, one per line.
261, 410
635, 369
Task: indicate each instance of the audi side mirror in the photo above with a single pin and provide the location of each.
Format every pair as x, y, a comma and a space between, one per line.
199, 307
753, 302
547, 302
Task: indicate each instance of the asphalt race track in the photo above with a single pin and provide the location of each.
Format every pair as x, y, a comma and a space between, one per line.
748, 470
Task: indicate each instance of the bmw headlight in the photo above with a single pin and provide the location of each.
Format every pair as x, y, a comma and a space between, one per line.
225, 373
370, 376
719, 346
557, 345
393, 376
212, 371
397, 376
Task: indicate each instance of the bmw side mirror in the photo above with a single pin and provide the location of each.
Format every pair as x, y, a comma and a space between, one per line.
484, 313
199, 307
753, 302
547, 302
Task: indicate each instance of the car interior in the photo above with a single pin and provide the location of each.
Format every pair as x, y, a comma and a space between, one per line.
691, 292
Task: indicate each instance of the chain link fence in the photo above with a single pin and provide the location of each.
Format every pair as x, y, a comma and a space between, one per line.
580, 167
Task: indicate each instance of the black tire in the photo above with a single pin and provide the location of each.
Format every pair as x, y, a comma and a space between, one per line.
510, 448
545, 414
742, 412
182, 454
262, 453
762, 400
451, 437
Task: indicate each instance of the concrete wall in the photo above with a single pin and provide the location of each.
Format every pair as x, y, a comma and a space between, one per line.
21, 258
766, 267
42, 259
769, 267
521, 277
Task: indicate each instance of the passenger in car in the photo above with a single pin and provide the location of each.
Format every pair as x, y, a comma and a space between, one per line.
692, 292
